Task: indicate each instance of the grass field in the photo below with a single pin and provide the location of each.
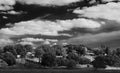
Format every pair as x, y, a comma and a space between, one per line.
56, 71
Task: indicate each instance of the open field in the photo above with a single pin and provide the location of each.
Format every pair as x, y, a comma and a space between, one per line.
56, 71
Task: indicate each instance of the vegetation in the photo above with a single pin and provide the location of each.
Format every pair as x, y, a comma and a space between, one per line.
48, 59
68, 56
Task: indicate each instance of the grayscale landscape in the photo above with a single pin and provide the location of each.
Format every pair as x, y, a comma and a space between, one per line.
60, 36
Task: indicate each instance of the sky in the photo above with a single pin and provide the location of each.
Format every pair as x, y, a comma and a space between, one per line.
89, 22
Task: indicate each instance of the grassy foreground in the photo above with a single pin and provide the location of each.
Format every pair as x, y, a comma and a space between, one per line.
57, 71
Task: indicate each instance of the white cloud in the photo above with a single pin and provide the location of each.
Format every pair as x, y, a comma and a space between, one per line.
48, 27
5, 42
95, 38
32, 40
6, 4
108, 11
49, 2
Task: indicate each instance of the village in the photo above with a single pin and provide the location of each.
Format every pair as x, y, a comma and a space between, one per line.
65, 56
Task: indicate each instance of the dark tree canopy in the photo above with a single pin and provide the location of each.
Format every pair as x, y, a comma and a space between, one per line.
73, 56
83, 60
113, 60
99, 62
20, 50
48, 59
9, 58
10, 48
28, 48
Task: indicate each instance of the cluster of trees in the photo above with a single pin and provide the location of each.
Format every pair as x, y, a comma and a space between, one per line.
9, 53
68, 55
107, 57
57, 55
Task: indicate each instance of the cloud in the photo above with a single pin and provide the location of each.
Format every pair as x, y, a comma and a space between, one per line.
50, 28
108, 11
111, 38
5, 42
32, 40
7, 4
48, 2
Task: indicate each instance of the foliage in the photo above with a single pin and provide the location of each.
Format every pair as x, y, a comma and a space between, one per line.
83, 60
39, 52
48, 59
71, 64
99, 62
61, 61
20, 50
118, 52
73, 56
58, 49
9, 58
10, 48
113, 60
98, 52
28, 48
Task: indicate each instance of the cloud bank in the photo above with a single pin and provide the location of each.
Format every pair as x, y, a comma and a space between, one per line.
35, 27
108, 11
48, 2
7, 4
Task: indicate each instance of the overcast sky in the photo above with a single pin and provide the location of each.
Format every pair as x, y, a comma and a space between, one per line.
90, 22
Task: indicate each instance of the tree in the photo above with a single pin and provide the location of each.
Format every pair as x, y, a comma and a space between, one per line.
98, 52
81, 49
83, 60
9, 58
99, 62
28, 48
118, 52
39, 52
48, 59
113, 60
108, 51
58, 49
10, 48
73, 56
48, 49
20, 50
